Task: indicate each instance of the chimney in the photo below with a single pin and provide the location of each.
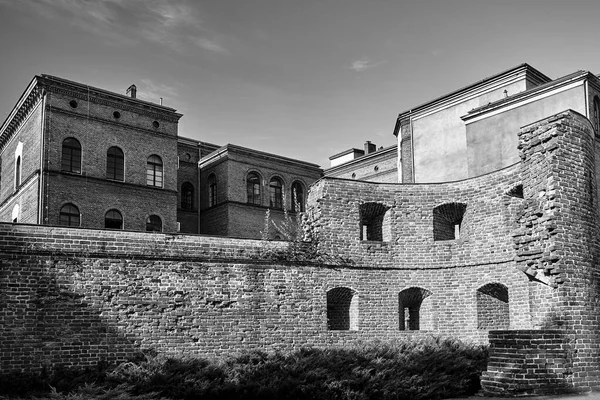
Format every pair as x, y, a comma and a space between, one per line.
370, 147
132, 91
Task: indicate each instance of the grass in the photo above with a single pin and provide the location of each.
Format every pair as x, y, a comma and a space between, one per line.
428, 368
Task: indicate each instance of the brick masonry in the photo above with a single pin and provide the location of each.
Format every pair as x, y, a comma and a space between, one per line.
526, 263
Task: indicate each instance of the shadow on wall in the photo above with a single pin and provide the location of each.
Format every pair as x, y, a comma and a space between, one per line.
46, 322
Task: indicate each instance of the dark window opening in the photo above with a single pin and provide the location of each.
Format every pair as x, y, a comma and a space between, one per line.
447, 221
212, 190
342, 309
597, 115
276, 193
373, 222
154, 224
73, 104
69, 215
517, 192
115, 164
113, 220
297, 197
187, 196
154, 171
117, 115
253, 188
409, 308
18, 172
71, 156
493, 307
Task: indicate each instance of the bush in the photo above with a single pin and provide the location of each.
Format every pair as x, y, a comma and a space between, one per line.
429, 368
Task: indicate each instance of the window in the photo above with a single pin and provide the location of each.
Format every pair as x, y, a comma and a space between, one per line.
71, 156
375, 222
410, 305
253, 188
212, 190
113, 220
154, 224
154, 171
115, 164
297, 197
492, 307
18, 172
15, 213
276, 193
447, 221
69, 215
596, 120
187, 196
342, 309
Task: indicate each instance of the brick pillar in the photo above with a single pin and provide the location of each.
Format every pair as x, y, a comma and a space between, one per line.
405, 151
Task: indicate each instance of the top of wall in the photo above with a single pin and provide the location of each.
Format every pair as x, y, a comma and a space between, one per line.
231, 150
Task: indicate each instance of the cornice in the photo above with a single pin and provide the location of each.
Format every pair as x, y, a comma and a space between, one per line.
21, 112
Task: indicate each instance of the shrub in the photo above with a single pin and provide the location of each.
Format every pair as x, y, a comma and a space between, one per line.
427, 368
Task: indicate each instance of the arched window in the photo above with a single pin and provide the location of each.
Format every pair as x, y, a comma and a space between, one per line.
297, 197
342, 309
69, 215
410, 304
71, 155
18, 172
276, 193
113, 220
187, 196
154, 224
253, 188
375, 222
212, 190
448, 220
596, 120
115, 164
154, 171
492, 307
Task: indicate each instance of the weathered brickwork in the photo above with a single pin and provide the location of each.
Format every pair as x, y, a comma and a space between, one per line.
545, 367
523, 257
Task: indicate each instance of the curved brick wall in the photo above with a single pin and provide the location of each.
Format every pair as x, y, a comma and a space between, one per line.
525, 259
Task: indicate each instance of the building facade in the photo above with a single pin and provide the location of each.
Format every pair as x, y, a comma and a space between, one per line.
79, 156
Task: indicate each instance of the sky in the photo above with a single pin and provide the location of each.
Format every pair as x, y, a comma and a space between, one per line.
300, 78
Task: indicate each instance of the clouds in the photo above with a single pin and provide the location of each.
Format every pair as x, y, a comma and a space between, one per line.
177, 24
364, 64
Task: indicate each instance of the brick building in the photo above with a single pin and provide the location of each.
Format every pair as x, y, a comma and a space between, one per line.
241, 184
75, 155
371, 164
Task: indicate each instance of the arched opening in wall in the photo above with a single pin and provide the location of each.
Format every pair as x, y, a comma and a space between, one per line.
18, 172
154, 224
375, 222
113, 220
187, 196
297, 197
69, 215
115, 164
253, 188
516, 192
410, 302
276, 193
342, 309
447, 221
493, 307
71, 156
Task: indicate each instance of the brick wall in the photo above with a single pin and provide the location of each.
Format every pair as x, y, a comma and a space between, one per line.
543, 366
